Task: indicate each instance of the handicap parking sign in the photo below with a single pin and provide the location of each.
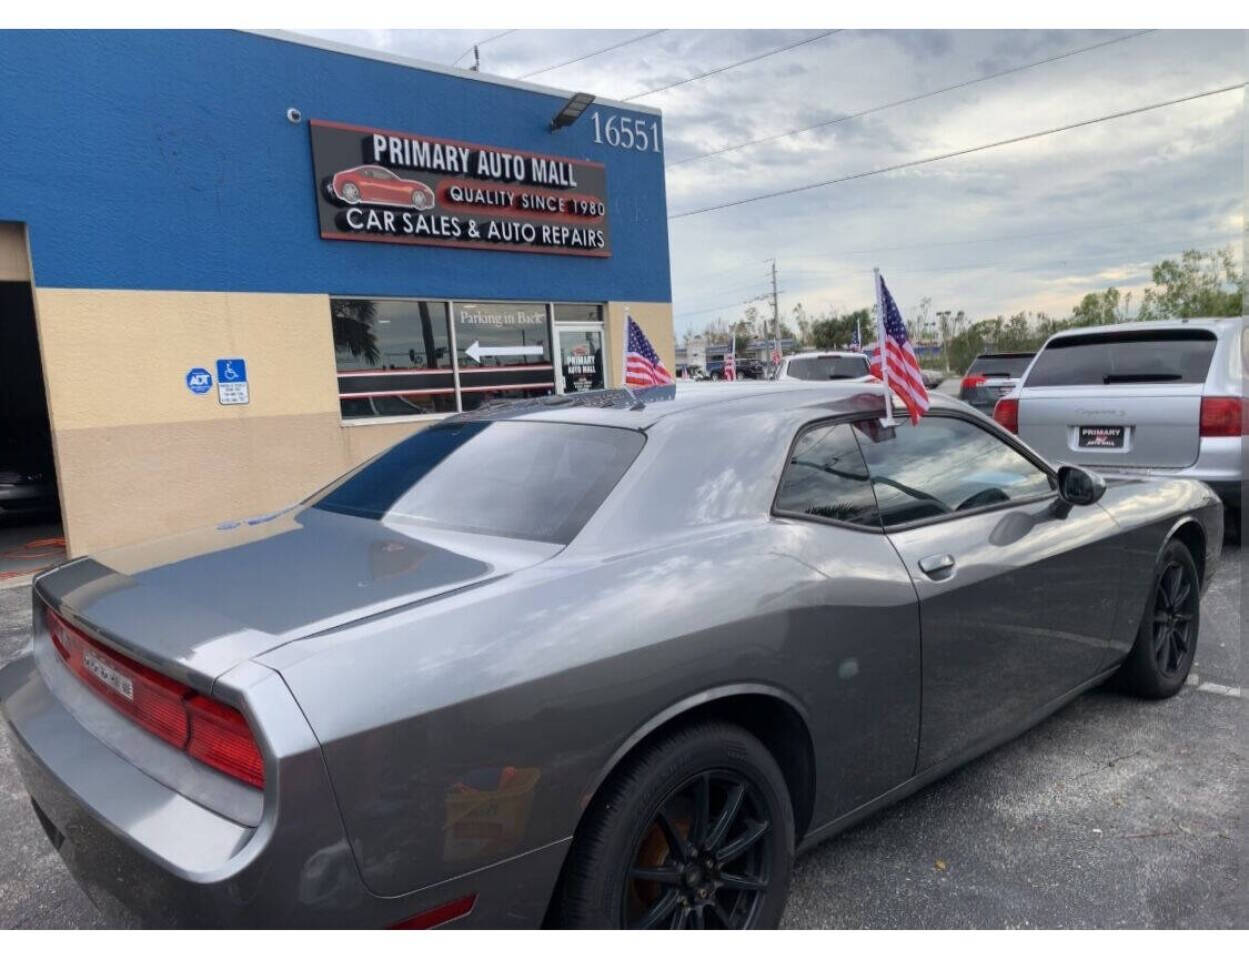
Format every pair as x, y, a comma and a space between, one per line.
199, 380
232, 381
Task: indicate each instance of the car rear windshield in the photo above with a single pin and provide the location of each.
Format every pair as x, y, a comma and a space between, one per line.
1140, 356
506, 478
828, 368
1010, 366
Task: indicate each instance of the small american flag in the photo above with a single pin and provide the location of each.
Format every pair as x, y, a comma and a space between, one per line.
730, 361
905, 378
643, 368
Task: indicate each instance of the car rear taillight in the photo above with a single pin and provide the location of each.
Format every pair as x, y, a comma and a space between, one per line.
1006, 412
973, 381
221, 738
208, 730
1224, 416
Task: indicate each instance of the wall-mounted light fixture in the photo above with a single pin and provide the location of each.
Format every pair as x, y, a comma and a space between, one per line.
570, 111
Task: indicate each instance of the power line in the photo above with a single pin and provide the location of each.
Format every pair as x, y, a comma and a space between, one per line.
997, 238
479, 43
1169, 241
905, 100
955, 153
614, 46
726, 306
730, 66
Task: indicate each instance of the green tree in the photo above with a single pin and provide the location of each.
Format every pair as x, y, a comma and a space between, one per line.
832, 330
1096, 309
352, 322
1200, 284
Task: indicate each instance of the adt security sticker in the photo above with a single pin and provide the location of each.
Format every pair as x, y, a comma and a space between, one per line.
199, 380
232, 381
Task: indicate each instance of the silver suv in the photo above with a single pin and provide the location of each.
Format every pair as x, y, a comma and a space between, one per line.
1154, 398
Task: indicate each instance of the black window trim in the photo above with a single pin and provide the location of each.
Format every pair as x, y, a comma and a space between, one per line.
989, 427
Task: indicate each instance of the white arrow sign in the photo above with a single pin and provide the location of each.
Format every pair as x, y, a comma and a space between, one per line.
477, 351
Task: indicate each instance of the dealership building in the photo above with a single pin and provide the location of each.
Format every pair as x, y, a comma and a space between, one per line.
233, 265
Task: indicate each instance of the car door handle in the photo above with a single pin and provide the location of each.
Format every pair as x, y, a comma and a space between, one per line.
939, 566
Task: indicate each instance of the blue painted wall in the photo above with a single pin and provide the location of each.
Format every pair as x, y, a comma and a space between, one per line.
164, 161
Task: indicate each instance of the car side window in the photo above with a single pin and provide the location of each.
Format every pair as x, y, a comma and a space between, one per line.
942, 466
826, 477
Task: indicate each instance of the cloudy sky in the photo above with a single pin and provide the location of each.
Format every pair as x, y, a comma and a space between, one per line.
1028, 226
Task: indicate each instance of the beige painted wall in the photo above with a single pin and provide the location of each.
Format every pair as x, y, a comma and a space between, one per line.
655, 319
139, 456
14, 260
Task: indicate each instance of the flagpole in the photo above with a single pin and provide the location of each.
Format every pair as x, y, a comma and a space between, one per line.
624, 353
880, 340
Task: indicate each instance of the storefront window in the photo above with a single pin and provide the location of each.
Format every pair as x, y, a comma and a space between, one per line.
393, 357
503, 351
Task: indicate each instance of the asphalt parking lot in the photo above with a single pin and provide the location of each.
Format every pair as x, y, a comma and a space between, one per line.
1112, 813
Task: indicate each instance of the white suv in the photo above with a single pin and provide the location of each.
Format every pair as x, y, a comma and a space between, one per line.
1162, 397
824, 365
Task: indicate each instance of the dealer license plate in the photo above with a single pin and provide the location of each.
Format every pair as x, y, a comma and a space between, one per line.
1101, 437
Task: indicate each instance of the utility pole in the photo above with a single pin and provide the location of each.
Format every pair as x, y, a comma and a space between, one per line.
776, 318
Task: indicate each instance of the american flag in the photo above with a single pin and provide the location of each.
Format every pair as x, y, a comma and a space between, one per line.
643, 368
905, 378
730, 361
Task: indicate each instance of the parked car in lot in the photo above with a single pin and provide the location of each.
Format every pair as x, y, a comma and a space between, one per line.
587, 660
932, 378
992, 376
750, 369
1157, 398
824, 365
27, 480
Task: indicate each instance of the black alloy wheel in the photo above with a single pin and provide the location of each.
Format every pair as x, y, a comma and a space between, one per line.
1166, 643
1175, 603
693, 830
703, 861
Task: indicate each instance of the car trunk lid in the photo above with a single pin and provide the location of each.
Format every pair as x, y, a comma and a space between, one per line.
195, 605
1136, 425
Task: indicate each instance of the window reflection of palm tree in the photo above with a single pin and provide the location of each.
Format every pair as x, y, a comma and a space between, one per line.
353, 329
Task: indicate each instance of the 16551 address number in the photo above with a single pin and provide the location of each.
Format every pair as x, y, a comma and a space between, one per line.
626, 133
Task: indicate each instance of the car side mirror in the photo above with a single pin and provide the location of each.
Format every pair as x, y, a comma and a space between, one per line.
1079, 487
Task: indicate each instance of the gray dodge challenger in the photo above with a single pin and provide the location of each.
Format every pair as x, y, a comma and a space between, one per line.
605, 660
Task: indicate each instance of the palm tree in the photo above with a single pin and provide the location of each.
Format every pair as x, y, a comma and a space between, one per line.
353, 329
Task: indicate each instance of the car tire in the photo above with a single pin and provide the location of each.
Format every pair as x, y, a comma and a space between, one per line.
1166, 642
621, 871
351, 193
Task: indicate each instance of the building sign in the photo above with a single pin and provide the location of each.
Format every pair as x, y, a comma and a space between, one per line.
199, 380
581, 353
392, 187
232, 385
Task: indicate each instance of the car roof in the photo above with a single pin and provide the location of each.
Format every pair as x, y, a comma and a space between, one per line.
1135, 326
824, 353
1009, 354
643, 409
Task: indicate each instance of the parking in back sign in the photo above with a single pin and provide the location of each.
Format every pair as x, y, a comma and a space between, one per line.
232, 381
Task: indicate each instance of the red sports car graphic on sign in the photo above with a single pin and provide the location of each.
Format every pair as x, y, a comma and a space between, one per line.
374, 184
